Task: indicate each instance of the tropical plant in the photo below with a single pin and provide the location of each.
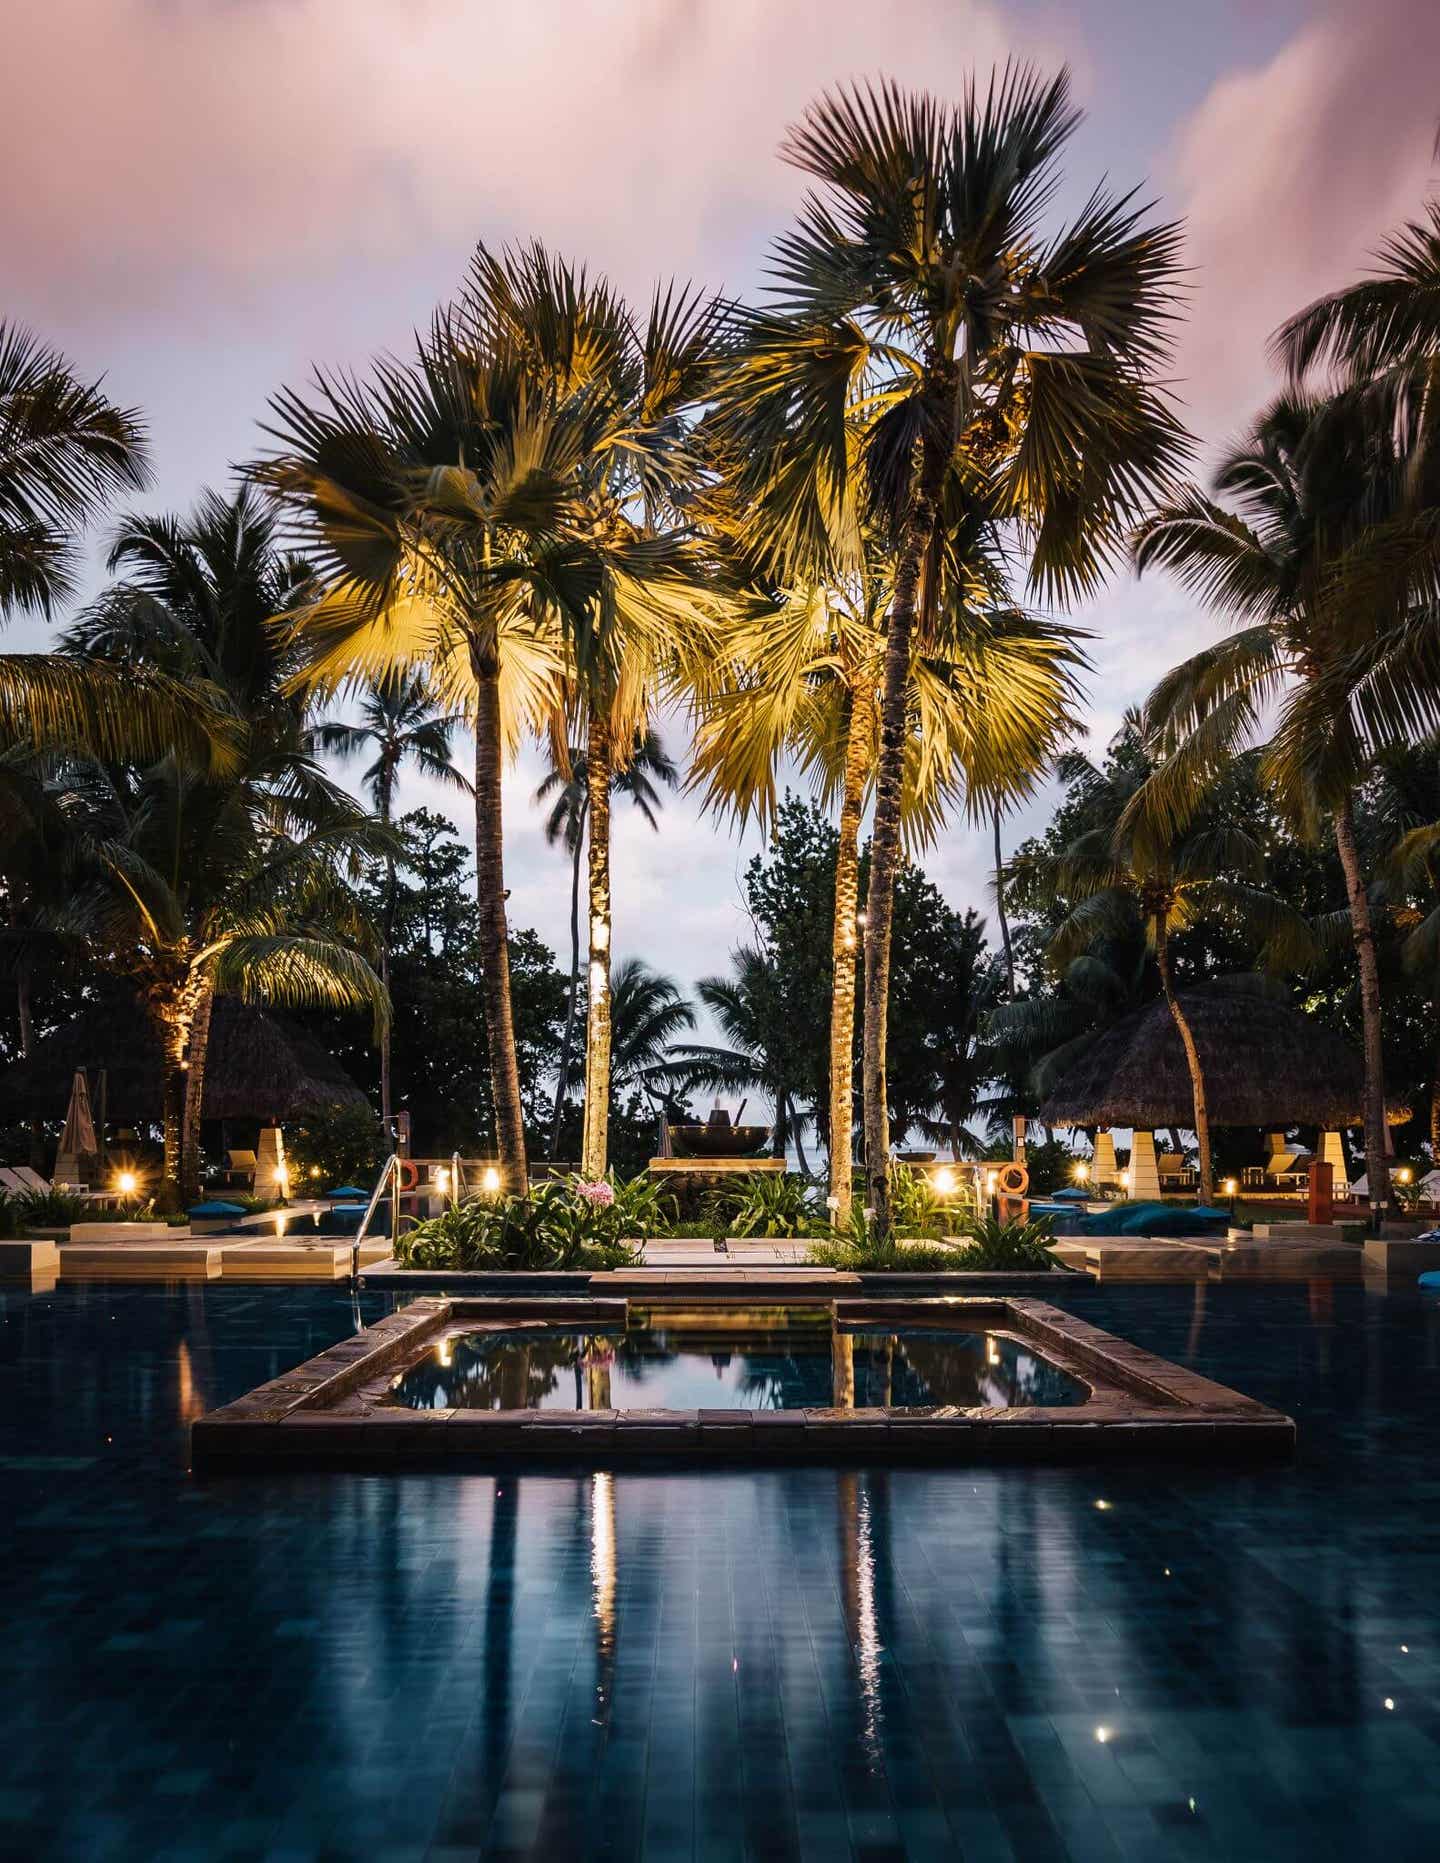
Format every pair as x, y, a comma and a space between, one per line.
563, 1224
1166, 870
340, 1143
1331, 652
747, 1009
930, 359
402, 722
212, 885
1015, 1245
1408, 811
803, 681
766, 1205
862, 1249
566, 787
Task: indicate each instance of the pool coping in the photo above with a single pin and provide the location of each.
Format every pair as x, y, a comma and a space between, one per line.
327, 1412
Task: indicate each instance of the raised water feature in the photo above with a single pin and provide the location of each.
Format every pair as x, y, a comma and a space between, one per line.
950, 1379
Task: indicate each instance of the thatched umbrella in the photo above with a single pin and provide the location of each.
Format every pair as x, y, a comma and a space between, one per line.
260, 1066
78, 1159
1265, 1064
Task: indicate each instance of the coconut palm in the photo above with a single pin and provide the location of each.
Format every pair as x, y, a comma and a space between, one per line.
403, 723
1407, 810
648, 1011
566, 787
984, 718
650, 582
203, 885
1142, 864
1333, 651
747, 1011
929, 358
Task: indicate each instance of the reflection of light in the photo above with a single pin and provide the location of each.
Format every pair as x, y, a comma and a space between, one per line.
599, 935
1104, 1506
869, 1631
1404, 1649
991, 1180
1102, 1734
280, 1221
992, 1349
1389, 1703
443, 1351
1125, 1180
490, 1180
602, 1555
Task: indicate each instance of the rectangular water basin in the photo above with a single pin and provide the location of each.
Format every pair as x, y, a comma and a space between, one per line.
604, 1380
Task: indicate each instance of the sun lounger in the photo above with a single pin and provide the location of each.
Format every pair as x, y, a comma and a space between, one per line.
32, 1180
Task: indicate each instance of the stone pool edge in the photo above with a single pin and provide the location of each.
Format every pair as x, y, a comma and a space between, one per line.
1140, 1405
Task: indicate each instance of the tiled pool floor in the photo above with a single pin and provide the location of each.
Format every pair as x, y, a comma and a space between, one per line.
773, 1663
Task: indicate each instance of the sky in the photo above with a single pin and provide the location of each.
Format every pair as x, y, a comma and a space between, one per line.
206, 198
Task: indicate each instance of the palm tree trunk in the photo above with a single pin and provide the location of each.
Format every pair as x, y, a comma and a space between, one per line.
1000, 908
1435, 1099
1377, 1171
594, 1151
199, 1049
885, 836
843, 941
1192, 1057
494, 933
173, 1042
562, 1078
387, 932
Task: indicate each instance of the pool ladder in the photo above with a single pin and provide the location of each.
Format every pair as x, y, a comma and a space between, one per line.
390, 1179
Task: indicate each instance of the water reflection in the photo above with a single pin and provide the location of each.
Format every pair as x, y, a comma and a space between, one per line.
800, 1363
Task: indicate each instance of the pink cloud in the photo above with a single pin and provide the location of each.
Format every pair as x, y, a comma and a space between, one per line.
1288, 175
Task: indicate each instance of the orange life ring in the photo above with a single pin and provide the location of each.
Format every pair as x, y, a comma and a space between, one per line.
1013, 1180
409, 1174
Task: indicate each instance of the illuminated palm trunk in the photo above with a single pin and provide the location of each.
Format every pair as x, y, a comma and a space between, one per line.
1192, 1055
1377, 1169
595, 1147
494, 932
885, 837
844, 956
174, 1039
196, 1058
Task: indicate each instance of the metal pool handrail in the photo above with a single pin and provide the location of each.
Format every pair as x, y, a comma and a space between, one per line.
391, 1175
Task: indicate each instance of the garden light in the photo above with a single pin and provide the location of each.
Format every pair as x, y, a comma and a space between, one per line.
490, 1181
1404, 1174
442, 1180
1082, 1171
127, 1183
945, 1182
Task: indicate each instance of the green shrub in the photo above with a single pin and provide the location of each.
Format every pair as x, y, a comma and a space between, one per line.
52, 1209
1016, 1246
345, 1144
762, 1204
563, 1224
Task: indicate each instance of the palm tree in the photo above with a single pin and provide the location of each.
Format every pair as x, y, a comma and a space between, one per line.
401, 720
1167, 875
1331, 647
984, 717
746, 1008
205, 885
1407, 808
567, 788
648, 1011
650, 583
931, 352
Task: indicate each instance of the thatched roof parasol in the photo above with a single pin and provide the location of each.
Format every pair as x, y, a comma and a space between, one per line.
260, 1066
1265, 1064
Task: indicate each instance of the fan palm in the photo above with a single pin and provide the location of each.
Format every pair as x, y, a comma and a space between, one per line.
1335, 654
567, 789
984, 716
930, 348
648, 1011
747, 1011
402, 722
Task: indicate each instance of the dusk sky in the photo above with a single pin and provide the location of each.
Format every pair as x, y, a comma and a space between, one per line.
208, 196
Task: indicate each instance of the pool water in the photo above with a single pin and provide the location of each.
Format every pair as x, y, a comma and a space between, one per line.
1219, 1663
769, 1364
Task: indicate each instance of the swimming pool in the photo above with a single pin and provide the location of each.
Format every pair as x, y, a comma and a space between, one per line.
1020, 1662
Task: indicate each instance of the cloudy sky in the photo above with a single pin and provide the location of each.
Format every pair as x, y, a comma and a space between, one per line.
205, 197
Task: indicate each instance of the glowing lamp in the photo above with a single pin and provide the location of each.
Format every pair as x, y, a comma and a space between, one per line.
1082, 1171
1230, 1187
442, 1179
127, 1183
945, 1182
490, 1181
1404, 1174
1125, 1180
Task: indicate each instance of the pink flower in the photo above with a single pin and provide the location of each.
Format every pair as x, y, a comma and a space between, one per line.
599, 1195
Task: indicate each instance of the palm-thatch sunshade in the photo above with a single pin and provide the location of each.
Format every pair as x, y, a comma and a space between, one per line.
260, 1066
1265, 1064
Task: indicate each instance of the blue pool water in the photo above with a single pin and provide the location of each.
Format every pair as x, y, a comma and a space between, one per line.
777, 1362
783, 1663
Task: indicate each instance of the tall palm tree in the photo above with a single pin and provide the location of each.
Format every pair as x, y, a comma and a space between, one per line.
1330, 651
566, 787
402, 722
1168, 875
927, 344
984, 715
632, 487
203, 884
1407, 808
648, 1011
